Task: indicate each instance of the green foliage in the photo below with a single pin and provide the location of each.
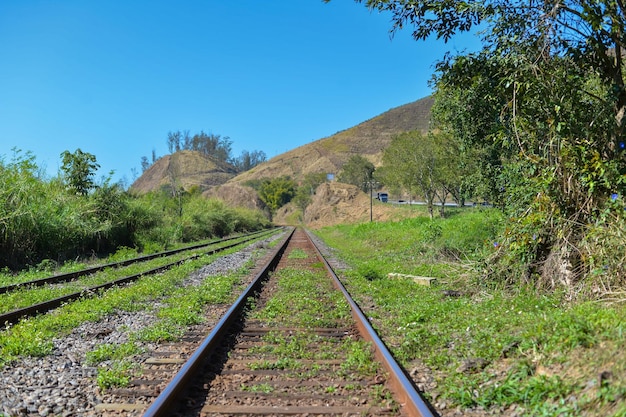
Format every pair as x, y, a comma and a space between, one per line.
543, 112
359, 358
40, 220
182, 305
303, 300
118, 376
541, 354
248, 160
298, 254
420, 246
203, 218
107, 351
603, 250
543, 109
277, 192
369, 272
357, 171
307, 188
263, 387
520, 386
208, 144
79, 168
430, 165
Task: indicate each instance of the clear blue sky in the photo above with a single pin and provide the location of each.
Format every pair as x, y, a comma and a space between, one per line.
114, 77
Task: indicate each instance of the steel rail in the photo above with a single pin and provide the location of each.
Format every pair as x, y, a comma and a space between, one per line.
402, 386
69, 276
166, 400
413, 405
14, 316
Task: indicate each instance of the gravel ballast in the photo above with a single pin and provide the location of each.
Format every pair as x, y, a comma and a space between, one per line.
61, 384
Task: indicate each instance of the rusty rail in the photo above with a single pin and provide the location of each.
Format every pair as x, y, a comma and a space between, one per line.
163, 403
15, 316
400, 383
413, 405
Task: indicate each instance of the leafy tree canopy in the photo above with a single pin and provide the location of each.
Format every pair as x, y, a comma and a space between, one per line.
542, 105
248, 160
79, 168
208, 144
357, 171
277, 192
590, 31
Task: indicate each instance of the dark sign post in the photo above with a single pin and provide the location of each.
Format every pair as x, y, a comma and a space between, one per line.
371, 183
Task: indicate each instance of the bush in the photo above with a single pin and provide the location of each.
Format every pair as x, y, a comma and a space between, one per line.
41, 219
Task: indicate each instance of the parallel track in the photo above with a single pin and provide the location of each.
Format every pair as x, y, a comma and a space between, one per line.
70, 276
14, 316
211, 378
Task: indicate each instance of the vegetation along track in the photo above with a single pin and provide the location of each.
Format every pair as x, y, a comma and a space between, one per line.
290, 345
16, 299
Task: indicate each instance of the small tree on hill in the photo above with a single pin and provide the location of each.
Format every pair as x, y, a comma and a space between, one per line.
357, 171
248, 160
306, 189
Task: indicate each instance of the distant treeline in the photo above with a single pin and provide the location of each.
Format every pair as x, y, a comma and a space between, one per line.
209, 144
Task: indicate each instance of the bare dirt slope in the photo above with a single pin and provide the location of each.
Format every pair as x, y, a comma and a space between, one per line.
184, 169
236, 195
336, 203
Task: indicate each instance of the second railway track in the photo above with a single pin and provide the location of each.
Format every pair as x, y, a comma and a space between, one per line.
14, 315
290, 345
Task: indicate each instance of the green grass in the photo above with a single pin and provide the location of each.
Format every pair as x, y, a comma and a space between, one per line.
262, 388
118, 375
181, 307
543, 353
306, 299
296, 301
109, 351
298, 254
28, 296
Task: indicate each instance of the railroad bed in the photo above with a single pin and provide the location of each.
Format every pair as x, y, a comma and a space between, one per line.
290, 345
61, 382
13, 308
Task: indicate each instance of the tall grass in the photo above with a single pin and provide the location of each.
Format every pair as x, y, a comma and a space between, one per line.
42, 219
418, 245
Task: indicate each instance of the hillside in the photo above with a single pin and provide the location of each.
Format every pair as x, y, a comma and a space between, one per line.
184, 169
328, 155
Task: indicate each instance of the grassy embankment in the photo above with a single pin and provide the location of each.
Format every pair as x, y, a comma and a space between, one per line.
510, 350
174, 306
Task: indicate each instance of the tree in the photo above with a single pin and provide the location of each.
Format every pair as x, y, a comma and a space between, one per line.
277, 192
212, 145
79, 169
410, 161
590, 32
248, 160
469, 112
174, 141
306, 189
357, 171
549, 100
145, 164
208, 144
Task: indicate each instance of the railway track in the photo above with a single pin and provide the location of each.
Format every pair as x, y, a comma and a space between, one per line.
293, 343
13, 316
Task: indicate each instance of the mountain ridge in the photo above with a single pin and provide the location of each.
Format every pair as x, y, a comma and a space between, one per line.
369, 139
